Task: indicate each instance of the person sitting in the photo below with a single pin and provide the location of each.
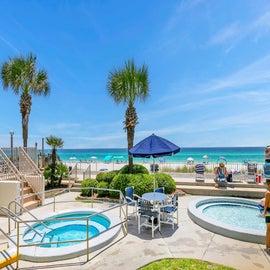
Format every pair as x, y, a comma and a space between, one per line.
221, 172
267, 154
266, 214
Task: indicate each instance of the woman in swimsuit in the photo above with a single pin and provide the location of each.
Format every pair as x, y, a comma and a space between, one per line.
267, 216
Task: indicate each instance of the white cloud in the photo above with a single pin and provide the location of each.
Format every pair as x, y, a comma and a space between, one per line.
9, 44
226, 34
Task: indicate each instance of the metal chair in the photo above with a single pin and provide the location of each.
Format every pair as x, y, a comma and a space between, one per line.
148, 216
160, 190
266, 171
199, 170
130, 198
251, 171
168, 211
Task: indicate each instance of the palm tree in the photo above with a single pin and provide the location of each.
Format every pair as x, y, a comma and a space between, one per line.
55, 143
128, 85
21, 75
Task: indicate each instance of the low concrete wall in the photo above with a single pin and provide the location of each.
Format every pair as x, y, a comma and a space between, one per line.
9, 191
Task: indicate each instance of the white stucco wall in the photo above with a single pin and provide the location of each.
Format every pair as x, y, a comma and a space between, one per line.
9, 191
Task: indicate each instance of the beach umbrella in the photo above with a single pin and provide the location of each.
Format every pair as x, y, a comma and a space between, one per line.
154, 146
190, 160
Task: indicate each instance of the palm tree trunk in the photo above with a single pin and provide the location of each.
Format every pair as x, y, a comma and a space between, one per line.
53, 167
25, 129
130, 139
130, 123
25, 106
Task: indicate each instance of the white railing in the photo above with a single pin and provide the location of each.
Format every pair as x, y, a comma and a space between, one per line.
32, 174
8, 170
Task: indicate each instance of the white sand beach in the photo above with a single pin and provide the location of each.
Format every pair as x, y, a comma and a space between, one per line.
96, 167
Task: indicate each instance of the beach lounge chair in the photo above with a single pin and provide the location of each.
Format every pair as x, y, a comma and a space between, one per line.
132, 198
160, 190
148, 216
169, 213
251, 172
199, 171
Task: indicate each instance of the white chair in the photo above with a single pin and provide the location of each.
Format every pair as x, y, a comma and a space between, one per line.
148, 216
199, 170
251, 172
169, 212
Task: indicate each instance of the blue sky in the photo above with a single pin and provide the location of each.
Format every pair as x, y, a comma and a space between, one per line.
208, 63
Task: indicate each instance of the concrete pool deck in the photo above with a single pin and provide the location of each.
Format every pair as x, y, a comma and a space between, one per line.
188, 240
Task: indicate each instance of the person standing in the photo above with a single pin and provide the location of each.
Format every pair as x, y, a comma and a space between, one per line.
267, 216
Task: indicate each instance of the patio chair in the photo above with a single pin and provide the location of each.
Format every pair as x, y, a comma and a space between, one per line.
148, 216
160, 190
251, 172
132, 199
199, 171
169, 213
266, 170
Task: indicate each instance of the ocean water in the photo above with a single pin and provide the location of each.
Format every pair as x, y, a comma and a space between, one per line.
231, 154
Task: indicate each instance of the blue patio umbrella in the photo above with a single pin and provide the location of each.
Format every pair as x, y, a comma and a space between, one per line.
154, 146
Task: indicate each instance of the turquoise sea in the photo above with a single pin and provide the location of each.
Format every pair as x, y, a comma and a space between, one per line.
231, 154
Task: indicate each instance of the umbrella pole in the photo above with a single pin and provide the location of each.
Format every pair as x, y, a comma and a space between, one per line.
154, 174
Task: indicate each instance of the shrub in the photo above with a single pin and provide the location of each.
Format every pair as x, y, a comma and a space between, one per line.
166, 181
137, 168
61, 172
142, 183
103, 184
106, 176
120, 182
89, 182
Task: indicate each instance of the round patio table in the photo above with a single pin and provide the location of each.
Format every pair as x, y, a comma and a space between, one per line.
155, 196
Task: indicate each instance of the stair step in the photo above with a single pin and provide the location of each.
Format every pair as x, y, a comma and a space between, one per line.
31, 204
29, 198
27, 190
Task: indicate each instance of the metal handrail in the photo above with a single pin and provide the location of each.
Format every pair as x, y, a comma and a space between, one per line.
11, 215
27, 211
29, 160
123, 210
9, 238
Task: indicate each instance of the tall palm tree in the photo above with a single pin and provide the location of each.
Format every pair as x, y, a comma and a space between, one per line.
55, 143
21, 75
127, 85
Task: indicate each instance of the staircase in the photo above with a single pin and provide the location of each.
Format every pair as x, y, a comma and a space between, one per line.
27, 173
30, 201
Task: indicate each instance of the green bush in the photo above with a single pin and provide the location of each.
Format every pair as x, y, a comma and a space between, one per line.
142, 183
137, 168
166, 181
103, 184
120, 182
61, 172
106, 176
89, 182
